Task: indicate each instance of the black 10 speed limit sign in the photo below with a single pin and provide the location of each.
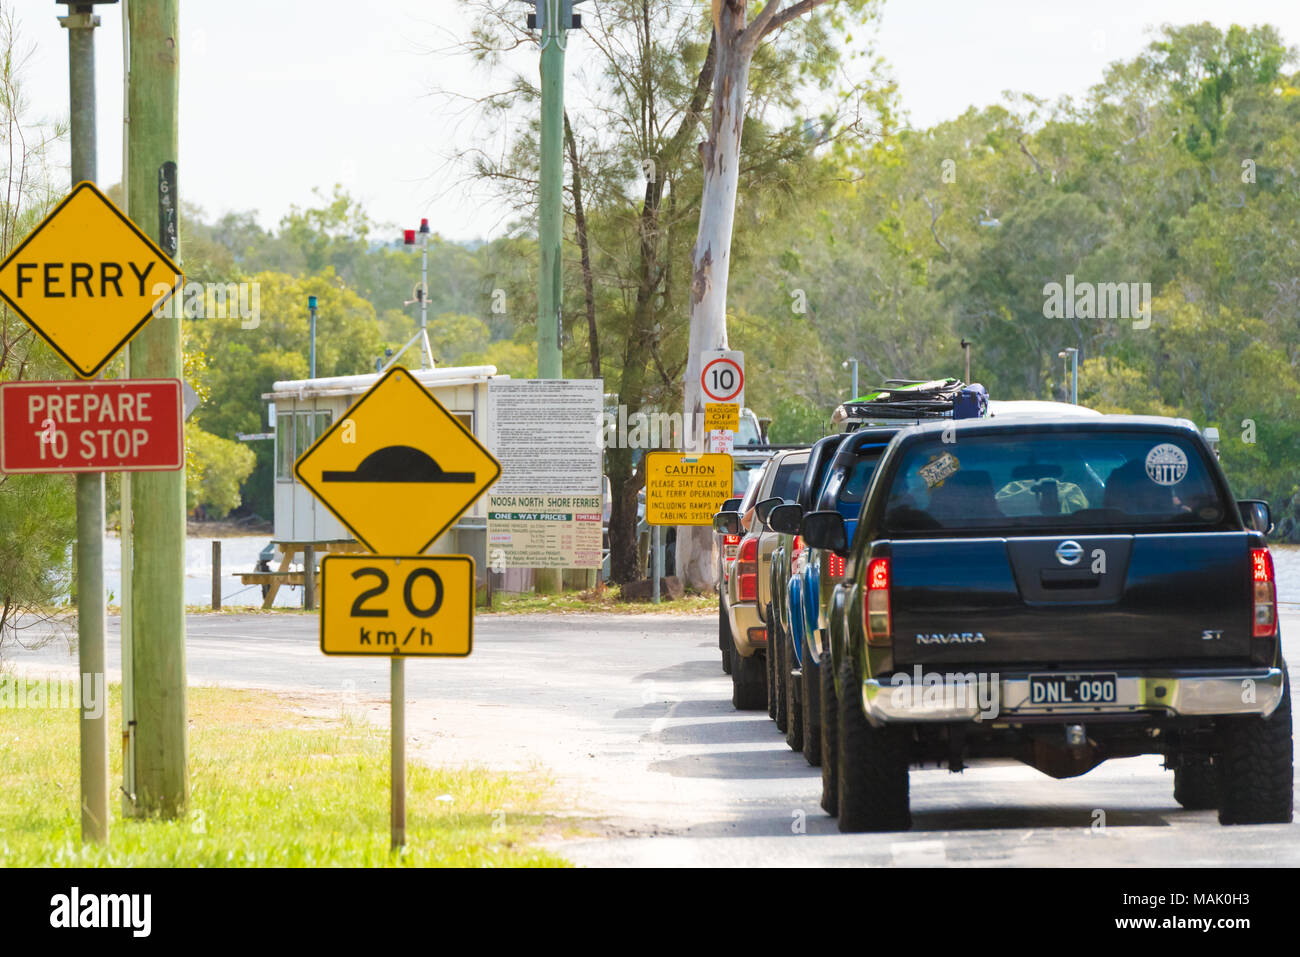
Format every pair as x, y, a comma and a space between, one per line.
722, 377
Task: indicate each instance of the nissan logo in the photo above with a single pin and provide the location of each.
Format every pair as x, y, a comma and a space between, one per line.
1069, 552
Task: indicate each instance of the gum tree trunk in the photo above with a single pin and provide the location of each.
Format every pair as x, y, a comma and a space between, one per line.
711, 257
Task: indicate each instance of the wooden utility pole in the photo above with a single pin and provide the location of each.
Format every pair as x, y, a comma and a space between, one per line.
158, 599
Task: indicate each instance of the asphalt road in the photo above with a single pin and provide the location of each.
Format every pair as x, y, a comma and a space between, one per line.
632, 716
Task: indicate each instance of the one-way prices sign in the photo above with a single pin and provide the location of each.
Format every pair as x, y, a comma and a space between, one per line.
87, 279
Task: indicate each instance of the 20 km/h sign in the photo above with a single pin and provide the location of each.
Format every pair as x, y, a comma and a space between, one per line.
397, 469
420, 606
722, 377
87, 279
122, 425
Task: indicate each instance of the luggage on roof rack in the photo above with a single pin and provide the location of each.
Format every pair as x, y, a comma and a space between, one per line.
916, 400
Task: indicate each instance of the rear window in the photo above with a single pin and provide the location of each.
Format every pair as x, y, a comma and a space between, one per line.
846, 483
786, 485
1052, 482
743, 476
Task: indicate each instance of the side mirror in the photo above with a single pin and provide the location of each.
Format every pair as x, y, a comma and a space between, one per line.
785, 519
764, 508
1256, 515
731, 505
825, 530
727, 522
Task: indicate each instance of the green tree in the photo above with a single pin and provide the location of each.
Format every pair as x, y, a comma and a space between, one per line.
37, 512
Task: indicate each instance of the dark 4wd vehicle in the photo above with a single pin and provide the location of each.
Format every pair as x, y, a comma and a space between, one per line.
815, 572
1059, 593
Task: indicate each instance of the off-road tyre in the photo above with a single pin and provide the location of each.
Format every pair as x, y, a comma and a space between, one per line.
810, 703
770, 660
748, 683
724, 637
793, 702
830, 737
872, 768
1255, 767
1196, 787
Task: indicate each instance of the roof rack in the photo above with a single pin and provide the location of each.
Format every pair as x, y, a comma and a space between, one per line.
915, 400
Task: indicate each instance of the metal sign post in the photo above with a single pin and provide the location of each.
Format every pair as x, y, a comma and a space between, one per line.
398, 499
80, 24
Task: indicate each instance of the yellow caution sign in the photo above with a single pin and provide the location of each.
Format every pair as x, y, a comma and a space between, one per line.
419, 607
721, 416
685, 489
87, 279
397, 469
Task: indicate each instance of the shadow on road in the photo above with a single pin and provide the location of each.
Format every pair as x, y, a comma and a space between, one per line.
740, 765
685, 670
714, 732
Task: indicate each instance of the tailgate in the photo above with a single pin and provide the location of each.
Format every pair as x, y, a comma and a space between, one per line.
1182, 597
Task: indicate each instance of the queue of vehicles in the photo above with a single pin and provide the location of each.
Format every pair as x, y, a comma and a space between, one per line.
953, 580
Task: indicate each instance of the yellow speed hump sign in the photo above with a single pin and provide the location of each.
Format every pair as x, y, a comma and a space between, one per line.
422, 606
397, 469
87, 279
685, 489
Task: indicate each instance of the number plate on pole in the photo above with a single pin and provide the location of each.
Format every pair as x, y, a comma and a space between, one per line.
422, 606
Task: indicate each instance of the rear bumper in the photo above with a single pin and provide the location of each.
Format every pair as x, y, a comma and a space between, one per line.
970, 696
742, 618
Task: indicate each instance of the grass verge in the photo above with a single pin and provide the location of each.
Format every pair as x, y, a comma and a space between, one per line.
603, 601
272, 785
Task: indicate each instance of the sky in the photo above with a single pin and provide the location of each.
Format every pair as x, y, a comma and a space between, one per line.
280, 97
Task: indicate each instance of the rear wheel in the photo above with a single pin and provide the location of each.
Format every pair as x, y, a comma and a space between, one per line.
748, 683
777, 651
1196, 787
829, 725
1255, 768
724, 637
873, 764
769, 658
810, 699
794, 704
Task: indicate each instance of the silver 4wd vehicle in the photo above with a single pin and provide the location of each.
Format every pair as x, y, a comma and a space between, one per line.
743, 597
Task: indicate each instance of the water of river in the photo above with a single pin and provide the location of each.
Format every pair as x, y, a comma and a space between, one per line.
237, 555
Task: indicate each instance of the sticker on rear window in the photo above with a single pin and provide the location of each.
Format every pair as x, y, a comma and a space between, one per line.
1166, 464
937, 470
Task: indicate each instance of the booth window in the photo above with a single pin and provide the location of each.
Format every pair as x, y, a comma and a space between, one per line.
294, 434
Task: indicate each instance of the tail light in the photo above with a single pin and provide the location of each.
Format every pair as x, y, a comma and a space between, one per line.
796, 549
1261, 565
747, 569
731, 539
835, 566
875, 604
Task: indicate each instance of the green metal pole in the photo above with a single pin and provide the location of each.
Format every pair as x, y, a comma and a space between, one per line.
550, 218
550, 223
158, 600
80, 24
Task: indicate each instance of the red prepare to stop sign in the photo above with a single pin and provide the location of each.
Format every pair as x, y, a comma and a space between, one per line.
122, 425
